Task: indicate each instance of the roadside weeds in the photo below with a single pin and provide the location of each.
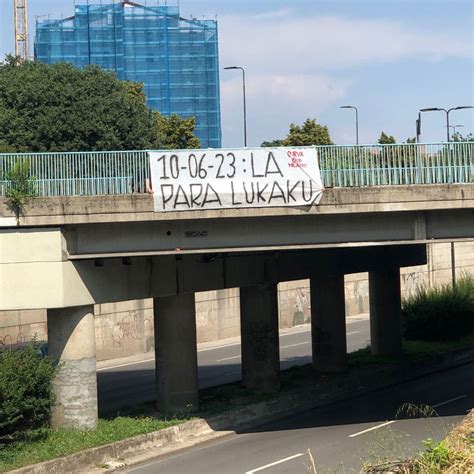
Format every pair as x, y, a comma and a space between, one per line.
452, 455
230, 407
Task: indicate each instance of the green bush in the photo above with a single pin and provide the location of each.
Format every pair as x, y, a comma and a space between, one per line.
25, 391
440, 314
20, 186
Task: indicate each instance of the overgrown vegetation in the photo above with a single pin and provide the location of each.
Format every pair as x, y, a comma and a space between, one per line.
20, 187
440, 314
452, 455
412, 350
43, 444
25, 392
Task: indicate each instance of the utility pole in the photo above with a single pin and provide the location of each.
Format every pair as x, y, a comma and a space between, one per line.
21, 28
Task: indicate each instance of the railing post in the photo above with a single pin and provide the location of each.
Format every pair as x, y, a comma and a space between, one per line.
419, 170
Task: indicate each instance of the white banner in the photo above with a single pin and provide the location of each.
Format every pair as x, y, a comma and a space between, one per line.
226, 179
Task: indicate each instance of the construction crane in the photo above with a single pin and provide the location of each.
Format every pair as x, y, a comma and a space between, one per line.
21, 28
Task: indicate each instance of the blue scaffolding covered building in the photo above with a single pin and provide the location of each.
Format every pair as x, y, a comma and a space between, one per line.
175, 58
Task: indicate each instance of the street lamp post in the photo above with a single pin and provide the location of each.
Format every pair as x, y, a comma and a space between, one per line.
357, 119
245, 105
439, 109
418, 127
454, 127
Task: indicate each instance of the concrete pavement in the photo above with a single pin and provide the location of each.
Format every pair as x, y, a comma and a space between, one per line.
131, 380
341, 436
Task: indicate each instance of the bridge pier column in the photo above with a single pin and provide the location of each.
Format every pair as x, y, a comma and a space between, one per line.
260, 339
385, 312
71, 342
328, 323
176, 353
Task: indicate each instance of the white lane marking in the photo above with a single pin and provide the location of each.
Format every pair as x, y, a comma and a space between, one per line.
219, 347
292, 345
216, 347
274, 463
152, 360
295, 332
357, 321
353, 332
449, 401
124, 365
228, 358
372, 429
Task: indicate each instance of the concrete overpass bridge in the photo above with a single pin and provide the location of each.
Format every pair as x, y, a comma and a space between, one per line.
88, 239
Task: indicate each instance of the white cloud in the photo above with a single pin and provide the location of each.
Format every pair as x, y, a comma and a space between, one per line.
277, 42
273, 102
295, 64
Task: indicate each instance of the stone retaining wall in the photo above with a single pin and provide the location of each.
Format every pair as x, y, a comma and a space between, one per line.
126, 328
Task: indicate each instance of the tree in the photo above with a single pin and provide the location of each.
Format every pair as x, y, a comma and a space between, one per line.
61, 108
174, 132
386, 139
411, 140
310, 133
457, 137
273, 143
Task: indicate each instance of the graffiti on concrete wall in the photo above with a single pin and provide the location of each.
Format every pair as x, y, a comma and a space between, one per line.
134, 326
302, 309
412, 281
9, 342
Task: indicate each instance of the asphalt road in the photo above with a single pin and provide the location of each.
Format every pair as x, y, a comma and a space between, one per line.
122, 385
341, 436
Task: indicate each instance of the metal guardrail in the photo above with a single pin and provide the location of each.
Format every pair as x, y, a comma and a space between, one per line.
124, 172
398, 164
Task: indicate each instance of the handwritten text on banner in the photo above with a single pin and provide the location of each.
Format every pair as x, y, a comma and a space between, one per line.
225, 179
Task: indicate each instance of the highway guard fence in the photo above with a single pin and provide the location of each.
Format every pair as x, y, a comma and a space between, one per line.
124, 172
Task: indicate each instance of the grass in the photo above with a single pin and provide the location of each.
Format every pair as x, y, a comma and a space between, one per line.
412, 350
44, 444
452, 455
431, 348
441, 313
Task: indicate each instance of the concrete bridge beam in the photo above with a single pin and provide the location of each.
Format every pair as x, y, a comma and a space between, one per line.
176, 353
385, 311
328, 322
260, 342
71, 336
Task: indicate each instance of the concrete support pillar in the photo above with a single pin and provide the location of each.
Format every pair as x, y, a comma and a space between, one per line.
385, 312
260, 341
71, 342
328, 323
176, 354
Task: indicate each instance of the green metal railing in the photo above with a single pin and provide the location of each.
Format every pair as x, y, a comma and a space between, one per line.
386, 165
124, 172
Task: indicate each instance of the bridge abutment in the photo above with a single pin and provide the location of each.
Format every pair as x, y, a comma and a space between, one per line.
260, 339
328, 323
71, 342
176, 353
385, 311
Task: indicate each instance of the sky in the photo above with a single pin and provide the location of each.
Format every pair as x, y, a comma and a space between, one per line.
305, 58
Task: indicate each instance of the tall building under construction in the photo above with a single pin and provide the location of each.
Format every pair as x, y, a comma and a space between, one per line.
175, 58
